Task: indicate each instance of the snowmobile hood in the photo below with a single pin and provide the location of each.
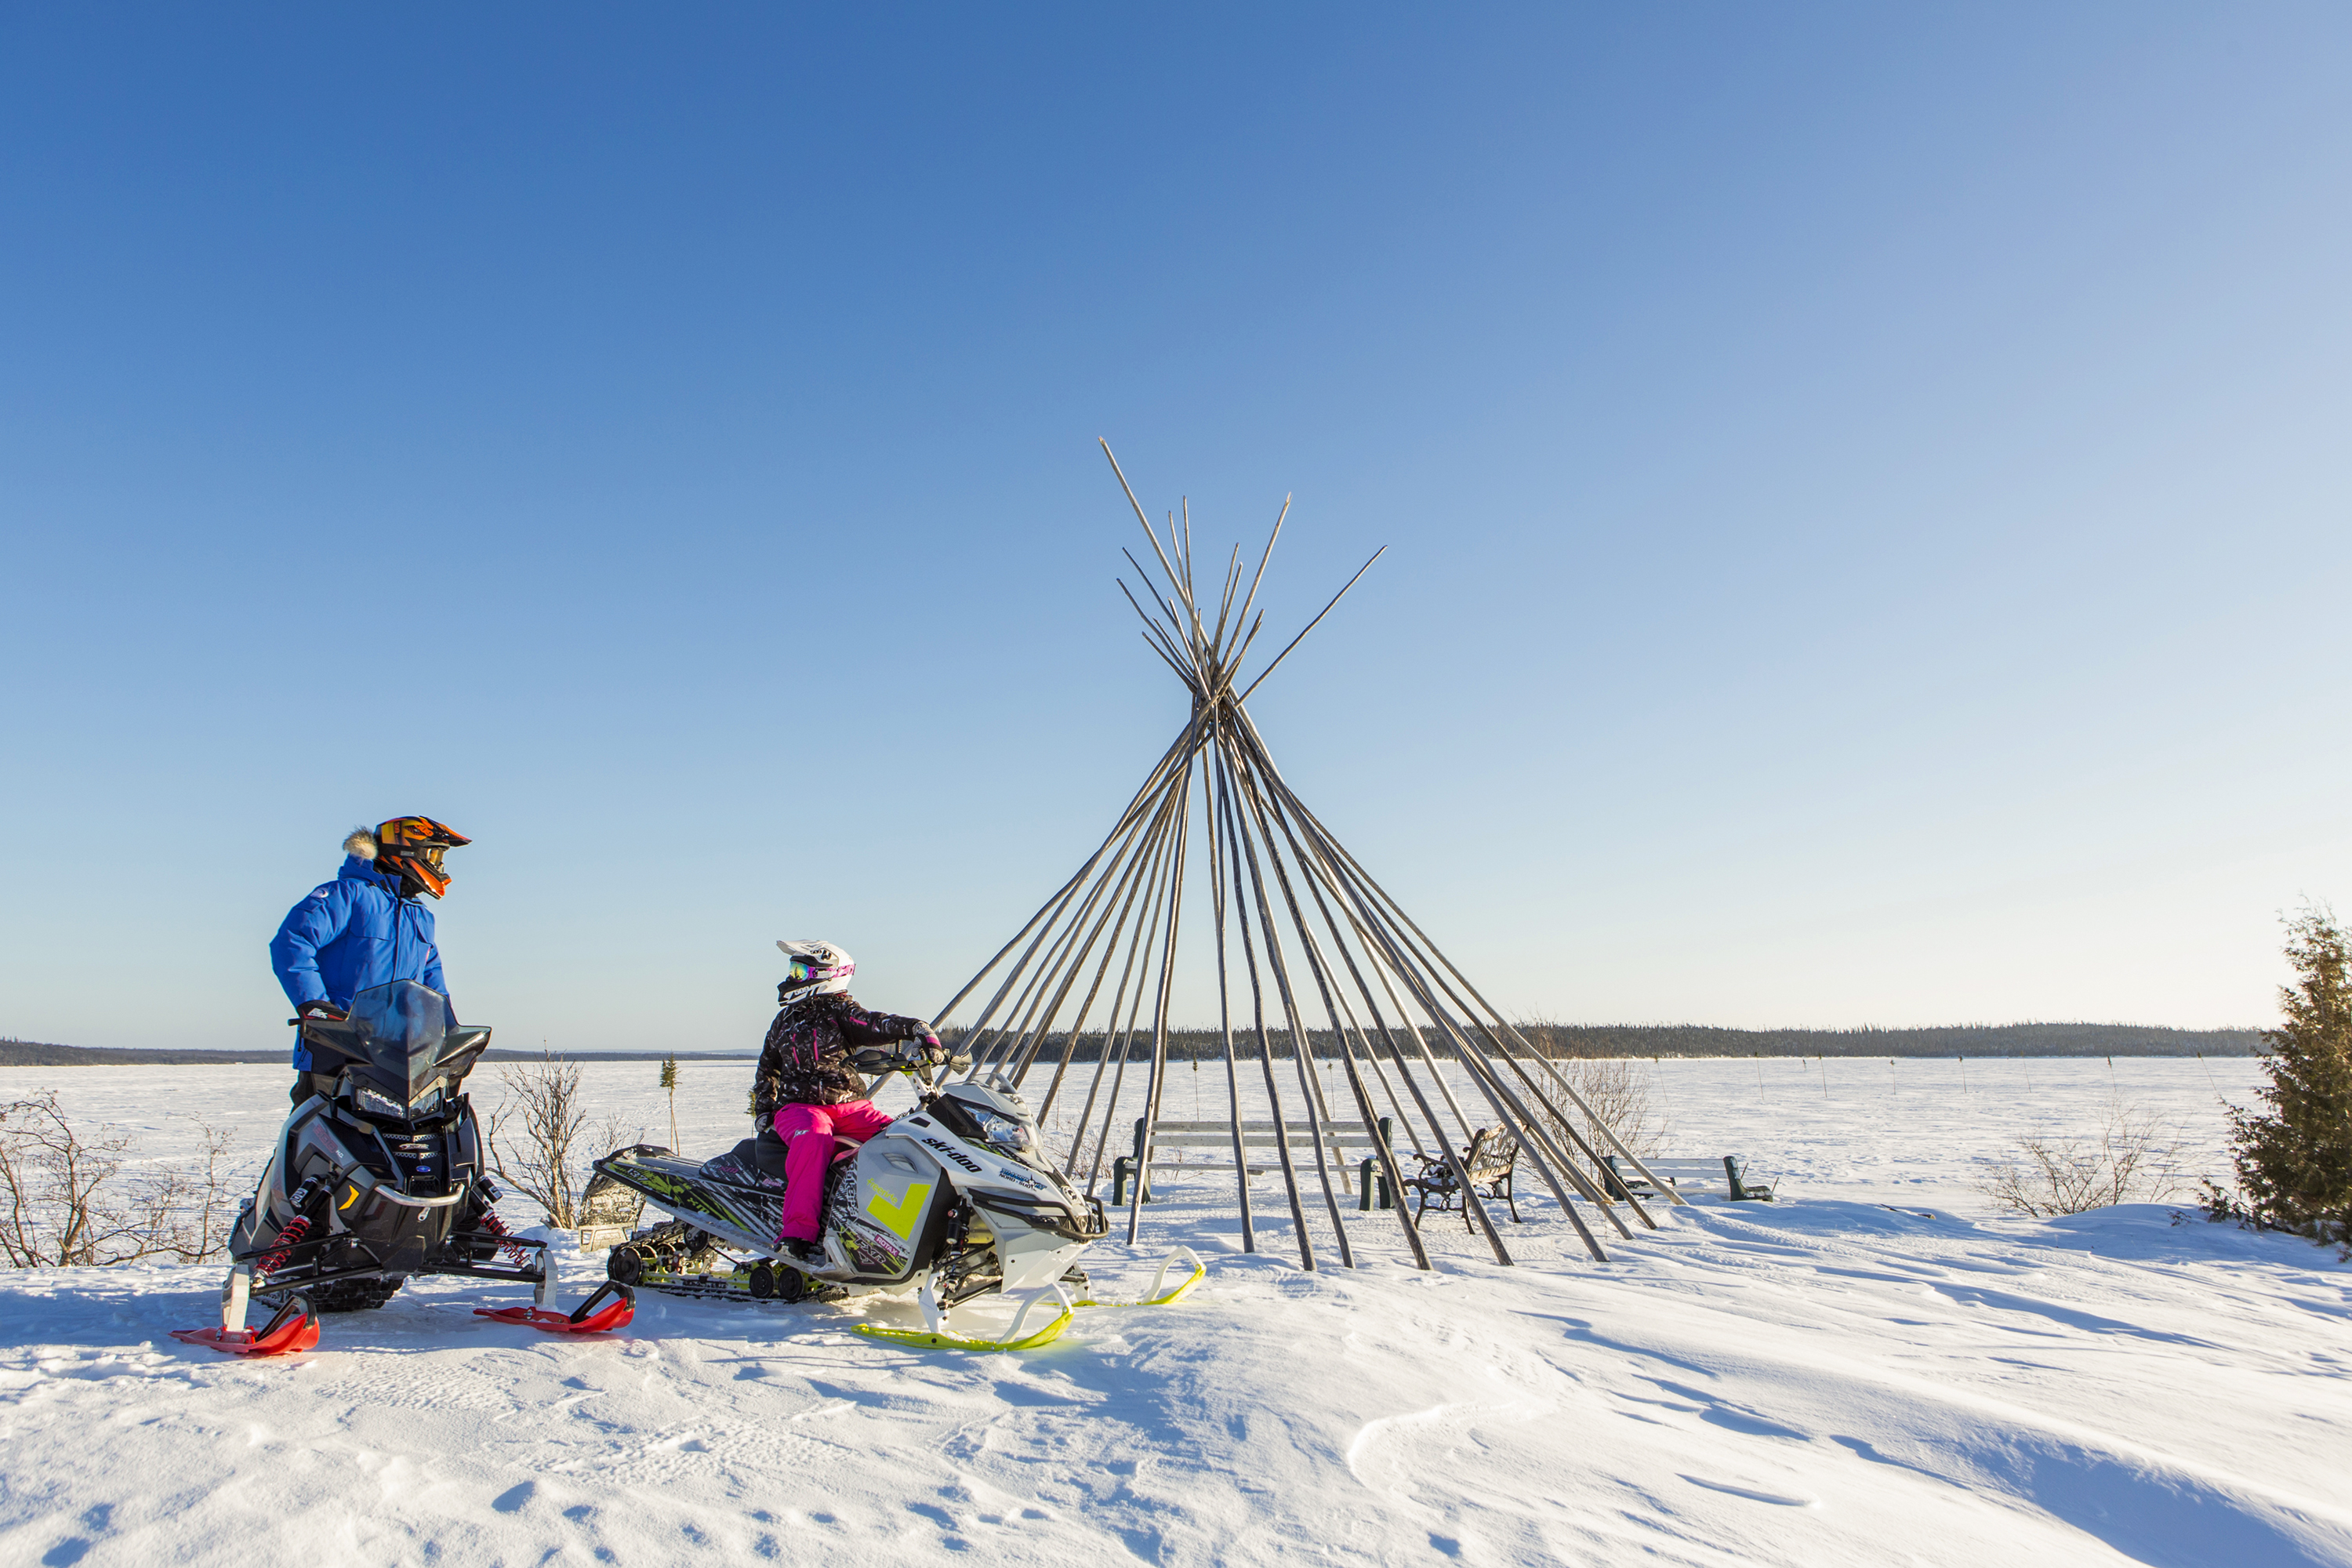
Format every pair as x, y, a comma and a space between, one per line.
407, 1053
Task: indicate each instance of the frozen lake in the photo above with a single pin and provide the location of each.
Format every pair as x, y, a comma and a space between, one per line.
1874, 1371
1916, 1131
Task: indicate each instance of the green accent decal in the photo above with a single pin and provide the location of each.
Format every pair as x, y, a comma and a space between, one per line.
898, 1218
669, 1190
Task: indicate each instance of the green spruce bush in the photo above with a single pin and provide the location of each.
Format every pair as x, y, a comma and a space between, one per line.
2294, 1159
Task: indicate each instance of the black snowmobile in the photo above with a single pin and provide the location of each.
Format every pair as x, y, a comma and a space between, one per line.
379, 1176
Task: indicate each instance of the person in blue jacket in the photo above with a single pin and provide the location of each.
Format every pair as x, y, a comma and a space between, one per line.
369, 927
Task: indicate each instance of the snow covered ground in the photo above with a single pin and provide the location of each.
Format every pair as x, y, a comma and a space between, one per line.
1873, 1371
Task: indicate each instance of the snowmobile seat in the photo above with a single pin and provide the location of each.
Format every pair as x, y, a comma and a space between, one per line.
763, 1154
763, 1151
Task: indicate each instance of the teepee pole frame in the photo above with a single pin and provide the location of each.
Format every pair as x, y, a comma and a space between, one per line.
1281, 884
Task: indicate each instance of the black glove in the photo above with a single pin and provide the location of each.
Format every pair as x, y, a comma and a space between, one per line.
927, 1047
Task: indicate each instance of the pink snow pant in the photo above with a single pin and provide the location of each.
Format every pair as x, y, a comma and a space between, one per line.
808, 1131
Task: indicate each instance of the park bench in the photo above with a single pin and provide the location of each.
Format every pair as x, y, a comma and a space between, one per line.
1729, 1171
1178, 1137
1493, 1155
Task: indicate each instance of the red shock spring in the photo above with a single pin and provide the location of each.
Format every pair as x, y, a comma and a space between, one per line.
497, 1226
288, 1239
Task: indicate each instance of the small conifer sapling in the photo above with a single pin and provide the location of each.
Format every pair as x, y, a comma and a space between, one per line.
669, 1087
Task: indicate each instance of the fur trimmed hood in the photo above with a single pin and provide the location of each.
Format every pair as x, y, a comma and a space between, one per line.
360, 843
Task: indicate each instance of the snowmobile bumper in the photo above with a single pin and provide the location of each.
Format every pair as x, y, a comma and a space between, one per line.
1048, 1214
298, 1265
937, 1337
1162, 1295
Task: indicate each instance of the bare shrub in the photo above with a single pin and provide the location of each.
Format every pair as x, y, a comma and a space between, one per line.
612, 1133
190, 1210
65, 1201
1615, 1091
534, 1135
1618, 1093
2133, 1158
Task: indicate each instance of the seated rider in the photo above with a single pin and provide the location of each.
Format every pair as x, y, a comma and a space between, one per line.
366, 928
807, 1089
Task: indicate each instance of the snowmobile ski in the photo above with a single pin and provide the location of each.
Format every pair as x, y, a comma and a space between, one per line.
294, 1327
937, 1337
1161, 1296
580, 1320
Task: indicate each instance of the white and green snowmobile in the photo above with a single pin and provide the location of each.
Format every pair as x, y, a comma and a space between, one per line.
953, 1201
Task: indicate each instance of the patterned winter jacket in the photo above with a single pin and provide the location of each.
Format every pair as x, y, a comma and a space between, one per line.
806, 1058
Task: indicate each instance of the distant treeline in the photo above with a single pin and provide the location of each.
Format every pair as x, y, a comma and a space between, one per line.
1206, 1045
1703, 1040
33, 1054
1953, 1040
17, 1053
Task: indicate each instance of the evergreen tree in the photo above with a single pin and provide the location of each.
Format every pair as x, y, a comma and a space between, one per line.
2294, 1159
669, 1085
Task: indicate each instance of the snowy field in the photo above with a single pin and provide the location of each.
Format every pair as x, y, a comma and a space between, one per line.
1874, 1371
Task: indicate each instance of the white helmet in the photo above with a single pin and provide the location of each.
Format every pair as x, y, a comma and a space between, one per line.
818, 967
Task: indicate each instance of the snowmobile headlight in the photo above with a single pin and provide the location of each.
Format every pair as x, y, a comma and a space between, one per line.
368, 1098
1003, 1132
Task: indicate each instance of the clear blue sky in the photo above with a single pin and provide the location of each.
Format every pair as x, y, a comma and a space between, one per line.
1865, 488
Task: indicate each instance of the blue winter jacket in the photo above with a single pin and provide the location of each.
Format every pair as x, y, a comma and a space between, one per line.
350, 935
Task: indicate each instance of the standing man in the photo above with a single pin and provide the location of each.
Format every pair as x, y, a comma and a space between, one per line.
367, 928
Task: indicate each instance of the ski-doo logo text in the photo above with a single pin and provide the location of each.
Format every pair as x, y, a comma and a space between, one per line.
960, 1158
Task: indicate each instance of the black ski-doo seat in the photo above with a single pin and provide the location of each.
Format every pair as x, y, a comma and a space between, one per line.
761, 1156
763, 1151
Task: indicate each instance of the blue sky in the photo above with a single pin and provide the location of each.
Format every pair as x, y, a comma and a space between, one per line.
1864, 488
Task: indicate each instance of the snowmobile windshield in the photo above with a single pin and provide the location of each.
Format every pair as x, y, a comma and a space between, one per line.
406, 1027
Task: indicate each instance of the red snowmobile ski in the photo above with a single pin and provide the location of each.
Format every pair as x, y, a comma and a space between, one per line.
293, 1328
580, 1320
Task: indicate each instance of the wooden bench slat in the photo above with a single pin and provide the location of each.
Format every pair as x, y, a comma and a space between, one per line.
1727, 1174
1339, 1140
1224, 1128
1250, 1139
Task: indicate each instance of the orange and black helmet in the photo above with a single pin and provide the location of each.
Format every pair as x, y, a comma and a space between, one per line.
410, 847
